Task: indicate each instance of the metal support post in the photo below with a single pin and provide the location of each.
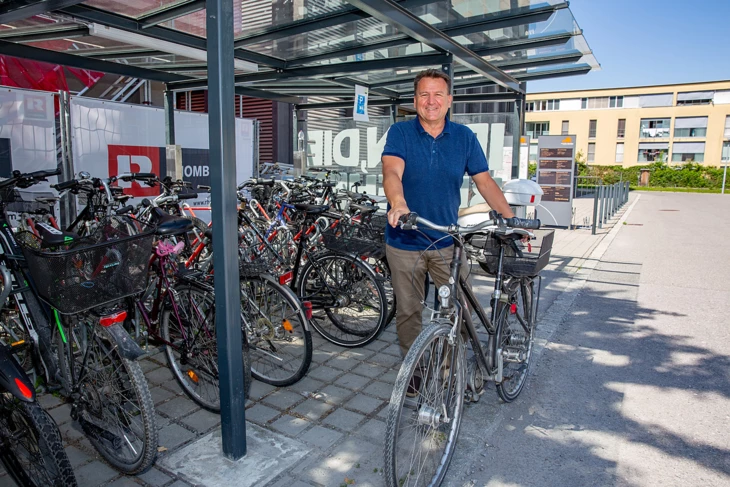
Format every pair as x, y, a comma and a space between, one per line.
606, 201
595, 211
219, 24
600, 211
169, 117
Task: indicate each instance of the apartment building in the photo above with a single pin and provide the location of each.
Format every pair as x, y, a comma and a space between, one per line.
635, 125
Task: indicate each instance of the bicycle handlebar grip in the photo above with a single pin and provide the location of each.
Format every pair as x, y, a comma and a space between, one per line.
525, 223
124, 210
144, 175
205, 188
186, 196
408, 221
44, 174
65, 185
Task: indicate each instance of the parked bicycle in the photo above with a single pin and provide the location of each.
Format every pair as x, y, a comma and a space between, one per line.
31, 448
426, 405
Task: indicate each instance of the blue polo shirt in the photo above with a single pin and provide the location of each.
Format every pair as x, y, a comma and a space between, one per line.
433, 176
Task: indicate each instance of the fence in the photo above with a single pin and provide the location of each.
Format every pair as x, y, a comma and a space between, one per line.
607, 200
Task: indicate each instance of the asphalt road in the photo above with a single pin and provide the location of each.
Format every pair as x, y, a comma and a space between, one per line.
633, 387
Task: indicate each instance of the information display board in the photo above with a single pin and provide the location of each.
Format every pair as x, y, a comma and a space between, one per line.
555, 173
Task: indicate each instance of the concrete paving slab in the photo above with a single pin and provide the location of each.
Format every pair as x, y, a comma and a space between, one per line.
268, 455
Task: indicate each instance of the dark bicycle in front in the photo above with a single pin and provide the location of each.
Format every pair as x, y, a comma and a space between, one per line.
436, 377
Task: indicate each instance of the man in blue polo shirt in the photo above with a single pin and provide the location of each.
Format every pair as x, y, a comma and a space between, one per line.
424, 162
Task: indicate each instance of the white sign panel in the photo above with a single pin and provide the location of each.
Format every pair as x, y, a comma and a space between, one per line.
111, 138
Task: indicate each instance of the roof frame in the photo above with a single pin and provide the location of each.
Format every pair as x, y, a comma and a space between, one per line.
121, 22
44, 33
323, 21
170, 13
14, 11
511, 19
393, 14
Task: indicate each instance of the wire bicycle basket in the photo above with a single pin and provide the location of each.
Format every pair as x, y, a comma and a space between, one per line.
348, 238
108, 265
535, 256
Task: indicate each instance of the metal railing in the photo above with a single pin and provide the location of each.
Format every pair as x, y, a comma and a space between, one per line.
607, 200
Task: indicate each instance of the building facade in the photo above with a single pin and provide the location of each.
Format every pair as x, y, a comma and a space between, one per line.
638, 125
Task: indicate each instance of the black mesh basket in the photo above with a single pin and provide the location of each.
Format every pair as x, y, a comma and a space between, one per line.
535, 256
255, 260
106, 266
375, 228
347, 237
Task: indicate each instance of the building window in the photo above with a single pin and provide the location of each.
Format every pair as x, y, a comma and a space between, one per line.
542, 105
653, 151
654, 128
616, 101
726, 152
565, 130
621, 128
593, 124
620, 152
597, 102
536, 129
591, 152
690, 126
688, 151
695, 98
727, 127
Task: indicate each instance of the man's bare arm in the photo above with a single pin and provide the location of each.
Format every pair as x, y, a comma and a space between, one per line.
393, 168
492, 194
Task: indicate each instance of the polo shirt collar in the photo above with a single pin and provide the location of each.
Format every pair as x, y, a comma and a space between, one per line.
446, 130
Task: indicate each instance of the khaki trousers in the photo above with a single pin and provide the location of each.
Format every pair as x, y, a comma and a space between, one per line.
408, 270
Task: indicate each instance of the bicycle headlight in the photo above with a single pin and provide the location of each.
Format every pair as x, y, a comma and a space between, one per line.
444, 295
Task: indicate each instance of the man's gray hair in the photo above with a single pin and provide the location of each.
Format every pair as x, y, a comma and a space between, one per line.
431, 73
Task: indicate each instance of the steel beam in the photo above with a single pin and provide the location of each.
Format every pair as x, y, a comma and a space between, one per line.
91, 14
64, 59
338, 69
171, 13
45, 33
393, 14
120, 53
267, 95
222, 157
318, 22
14, 11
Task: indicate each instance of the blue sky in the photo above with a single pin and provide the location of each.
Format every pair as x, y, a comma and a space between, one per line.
649, 42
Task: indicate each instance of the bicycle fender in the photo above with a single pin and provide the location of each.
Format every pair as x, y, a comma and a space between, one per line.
13, 379
128, 348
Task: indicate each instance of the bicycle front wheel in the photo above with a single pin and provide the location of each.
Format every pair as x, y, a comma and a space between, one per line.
31, 447
514, 337
276, 327
348, 302
425, 410
115, 406
188, 327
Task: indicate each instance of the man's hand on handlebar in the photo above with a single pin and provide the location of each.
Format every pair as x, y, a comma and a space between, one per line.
396, 212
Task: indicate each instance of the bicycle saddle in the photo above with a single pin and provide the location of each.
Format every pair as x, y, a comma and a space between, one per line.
312, 209
170, 225
51, 236
364, 209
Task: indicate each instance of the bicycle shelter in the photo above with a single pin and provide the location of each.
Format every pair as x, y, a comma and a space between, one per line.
309, 56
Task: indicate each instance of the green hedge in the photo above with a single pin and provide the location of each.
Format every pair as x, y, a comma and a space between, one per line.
662, 175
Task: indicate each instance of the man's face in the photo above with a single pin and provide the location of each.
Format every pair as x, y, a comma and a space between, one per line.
432, 99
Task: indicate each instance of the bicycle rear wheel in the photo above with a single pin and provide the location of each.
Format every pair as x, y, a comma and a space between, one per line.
514, 337
348, 302
31, 448
425, 410
192, 350
276, 327
114, 403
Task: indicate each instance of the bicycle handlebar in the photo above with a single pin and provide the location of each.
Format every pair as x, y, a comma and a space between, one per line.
497, 224
28, 179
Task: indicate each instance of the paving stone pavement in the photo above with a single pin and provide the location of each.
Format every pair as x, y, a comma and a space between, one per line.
338, 408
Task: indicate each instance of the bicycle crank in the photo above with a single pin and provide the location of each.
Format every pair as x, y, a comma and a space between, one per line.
474, 380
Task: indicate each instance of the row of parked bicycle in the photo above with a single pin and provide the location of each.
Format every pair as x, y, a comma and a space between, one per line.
80, 302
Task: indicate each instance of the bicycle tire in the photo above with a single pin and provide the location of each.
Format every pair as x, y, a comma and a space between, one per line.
279, 340
32, 450
513, 342
417, 420
127, 414
381, 268
197, 374
348, 301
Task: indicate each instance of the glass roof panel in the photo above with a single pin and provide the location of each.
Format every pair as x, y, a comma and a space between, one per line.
130, 8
